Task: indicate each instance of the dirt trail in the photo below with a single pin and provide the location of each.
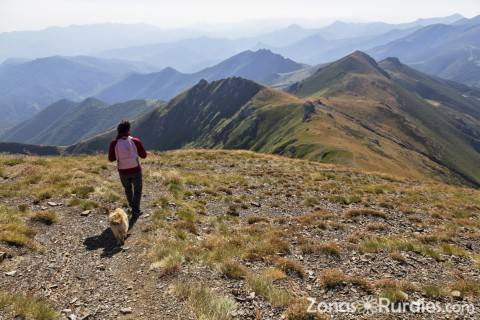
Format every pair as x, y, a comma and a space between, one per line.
86, 276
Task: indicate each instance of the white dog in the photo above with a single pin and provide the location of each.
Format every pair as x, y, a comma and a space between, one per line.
118, 220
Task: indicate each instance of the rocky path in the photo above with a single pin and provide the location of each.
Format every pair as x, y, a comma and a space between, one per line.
86, 276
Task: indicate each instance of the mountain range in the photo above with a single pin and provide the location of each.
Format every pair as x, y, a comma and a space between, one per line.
377, 116
448, 51
66, 122
262, 66
26, 87
83, 39
307, 45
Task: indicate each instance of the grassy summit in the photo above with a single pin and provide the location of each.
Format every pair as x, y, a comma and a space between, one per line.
231, 234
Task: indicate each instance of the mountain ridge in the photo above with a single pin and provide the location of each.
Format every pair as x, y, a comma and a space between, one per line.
66, 122
28, 87
447, 51
390, 127
424, 114
261, 66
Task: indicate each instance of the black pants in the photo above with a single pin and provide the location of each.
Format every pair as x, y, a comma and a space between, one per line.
132, 183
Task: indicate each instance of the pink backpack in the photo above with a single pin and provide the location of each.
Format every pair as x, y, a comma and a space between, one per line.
126, 153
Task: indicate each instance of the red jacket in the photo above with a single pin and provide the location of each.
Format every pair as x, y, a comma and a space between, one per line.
141, 153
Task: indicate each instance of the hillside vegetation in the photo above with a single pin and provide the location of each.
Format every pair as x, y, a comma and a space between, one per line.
419, 116
357, 112
229, 235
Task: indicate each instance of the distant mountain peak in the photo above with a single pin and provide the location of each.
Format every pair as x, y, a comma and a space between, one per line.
294, 27
264, 50
201, 83
360, 55
392, 64
338, 23
331, 75
169, 71
360, 62
230, 82
393, 60
91, 102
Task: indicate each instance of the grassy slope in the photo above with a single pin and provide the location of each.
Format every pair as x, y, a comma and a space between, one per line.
369, 96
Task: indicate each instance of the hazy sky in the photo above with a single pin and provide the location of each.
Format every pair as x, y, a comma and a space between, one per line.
38, 14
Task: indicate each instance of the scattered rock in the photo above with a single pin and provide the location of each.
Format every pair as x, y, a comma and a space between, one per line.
86, 213
11, 273
256, 204
126, 310
52, 204
456, 294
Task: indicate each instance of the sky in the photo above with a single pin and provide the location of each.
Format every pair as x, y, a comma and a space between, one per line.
18, 15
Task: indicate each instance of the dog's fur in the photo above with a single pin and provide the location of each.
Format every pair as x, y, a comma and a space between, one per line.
118, 220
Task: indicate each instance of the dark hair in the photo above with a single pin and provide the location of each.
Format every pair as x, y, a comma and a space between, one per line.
123, 127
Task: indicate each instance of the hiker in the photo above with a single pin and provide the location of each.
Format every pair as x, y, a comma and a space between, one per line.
126, 149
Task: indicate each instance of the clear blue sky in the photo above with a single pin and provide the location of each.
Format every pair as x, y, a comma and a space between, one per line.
38, 14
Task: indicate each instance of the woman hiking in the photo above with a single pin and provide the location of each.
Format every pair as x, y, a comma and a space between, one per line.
126, 150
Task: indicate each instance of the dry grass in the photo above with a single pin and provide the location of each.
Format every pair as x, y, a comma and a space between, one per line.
233, 270
377, 244
314, 217
274, 274
27, 307
256, 219
395, 291
186, 225
205, 303
333, 278
467, 287
45, 217
167, 255
434, 291
264, 287
365, 213
376, 226
328, 248
170, 264
289, 266
298, 310
13, 230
